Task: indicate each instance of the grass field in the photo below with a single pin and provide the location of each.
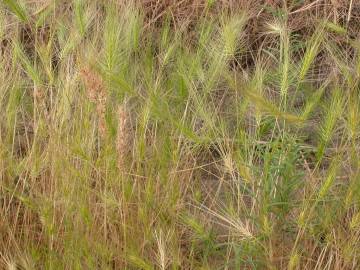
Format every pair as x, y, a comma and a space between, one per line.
179, 134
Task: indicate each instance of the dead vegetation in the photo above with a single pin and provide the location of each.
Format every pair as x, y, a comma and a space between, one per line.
179, 134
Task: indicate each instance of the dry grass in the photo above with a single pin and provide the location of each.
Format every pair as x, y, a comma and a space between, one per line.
97, 94
123, 137
184, 134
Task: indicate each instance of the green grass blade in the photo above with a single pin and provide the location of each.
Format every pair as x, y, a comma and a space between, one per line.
18, 9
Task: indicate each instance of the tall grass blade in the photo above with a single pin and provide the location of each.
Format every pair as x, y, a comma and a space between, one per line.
18, 9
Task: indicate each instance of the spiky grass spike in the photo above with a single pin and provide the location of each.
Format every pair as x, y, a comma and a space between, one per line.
123, 137
96, 92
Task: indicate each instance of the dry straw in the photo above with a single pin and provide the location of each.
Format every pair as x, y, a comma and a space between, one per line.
123, 140
97, 94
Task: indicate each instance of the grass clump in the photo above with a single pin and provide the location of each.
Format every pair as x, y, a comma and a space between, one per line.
135, 137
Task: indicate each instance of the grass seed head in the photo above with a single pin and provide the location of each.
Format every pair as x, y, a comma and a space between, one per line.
97, 94
123, 140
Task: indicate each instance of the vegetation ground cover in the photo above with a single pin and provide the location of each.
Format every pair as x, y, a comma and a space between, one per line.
179, 134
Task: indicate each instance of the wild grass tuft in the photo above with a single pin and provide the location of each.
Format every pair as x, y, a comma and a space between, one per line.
179, 135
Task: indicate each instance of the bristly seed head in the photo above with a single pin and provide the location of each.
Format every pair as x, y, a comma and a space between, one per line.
97, 94
123, 140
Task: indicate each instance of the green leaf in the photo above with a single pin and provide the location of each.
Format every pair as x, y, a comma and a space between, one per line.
335, 28
17, 9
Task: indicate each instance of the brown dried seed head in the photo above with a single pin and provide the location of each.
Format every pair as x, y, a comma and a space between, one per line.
123, 140
93, 84
39, 94
96, 93
102, 122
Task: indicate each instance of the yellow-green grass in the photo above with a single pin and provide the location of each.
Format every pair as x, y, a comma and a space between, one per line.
130, 141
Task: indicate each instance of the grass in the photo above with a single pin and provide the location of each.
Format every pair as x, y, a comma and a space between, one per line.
135, 137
